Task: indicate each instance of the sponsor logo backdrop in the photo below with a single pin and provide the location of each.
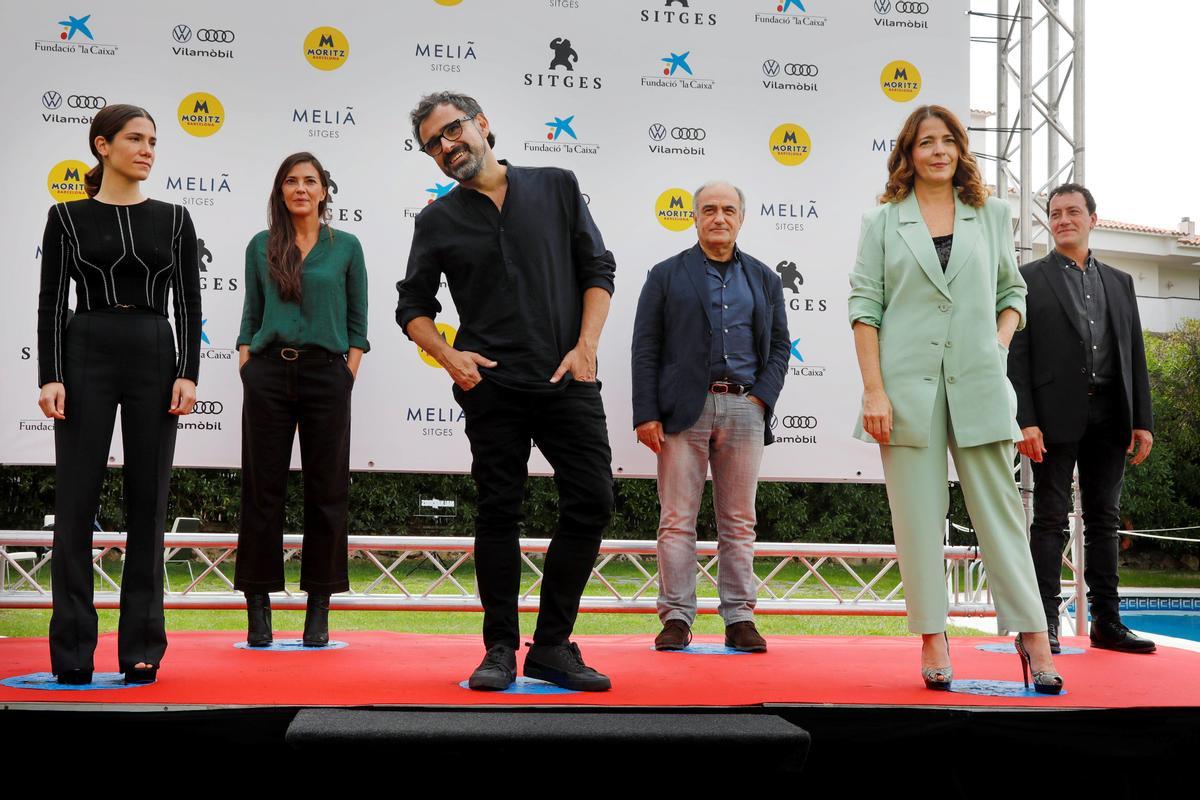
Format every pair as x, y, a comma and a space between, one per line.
796, 102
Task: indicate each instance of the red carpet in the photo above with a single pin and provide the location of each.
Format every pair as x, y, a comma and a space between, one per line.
381, 668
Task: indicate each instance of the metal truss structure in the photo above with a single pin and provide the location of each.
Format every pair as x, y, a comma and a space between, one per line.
1051, 104
801, 579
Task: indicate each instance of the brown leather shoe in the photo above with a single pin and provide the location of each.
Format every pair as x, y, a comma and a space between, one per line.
675, 635
745, 637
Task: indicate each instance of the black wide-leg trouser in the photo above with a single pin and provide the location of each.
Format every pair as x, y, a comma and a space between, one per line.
112, 358
569, 428
311, 394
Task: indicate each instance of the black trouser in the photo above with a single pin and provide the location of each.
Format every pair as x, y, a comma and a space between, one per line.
568, 426
278, 396
112, 358
1100, 455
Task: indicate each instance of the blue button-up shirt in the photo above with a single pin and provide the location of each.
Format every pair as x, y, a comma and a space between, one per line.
731, 311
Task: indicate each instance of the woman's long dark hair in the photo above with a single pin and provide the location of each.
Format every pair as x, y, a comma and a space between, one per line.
283, 257
107, 123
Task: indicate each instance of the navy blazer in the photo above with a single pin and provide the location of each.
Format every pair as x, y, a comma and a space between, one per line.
672, 337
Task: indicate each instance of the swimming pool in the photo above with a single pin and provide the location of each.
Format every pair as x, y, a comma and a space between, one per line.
1166, 616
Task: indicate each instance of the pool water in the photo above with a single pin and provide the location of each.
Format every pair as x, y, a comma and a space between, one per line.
1180, 624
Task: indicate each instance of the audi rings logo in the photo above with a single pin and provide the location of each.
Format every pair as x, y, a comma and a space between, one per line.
772, 68
911, 8
86, 101
208, 407
689, 134
52, 100
657, 131
181, 33
793, 422
214, 35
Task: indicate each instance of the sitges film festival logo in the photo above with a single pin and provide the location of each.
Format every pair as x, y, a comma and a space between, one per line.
201, 114
326, 48
790, 144
789, 76
70, 109
561, 71
209, 280
65, 181
75, 35
673, 209
561, 138
676, 140
792, 280
681, 12
901, 81
901, 15
678, 72
798, 13
202, 42
448, 333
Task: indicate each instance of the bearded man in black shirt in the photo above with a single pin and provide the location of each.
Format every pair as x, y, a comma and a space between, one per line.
532, 281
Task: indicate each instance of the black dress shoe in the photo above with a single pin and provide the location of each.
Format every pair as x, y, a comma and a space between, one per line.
496, 672
141, 675
1115, 636
562, 665
1052, 635
258, 618
74, 677
316, 621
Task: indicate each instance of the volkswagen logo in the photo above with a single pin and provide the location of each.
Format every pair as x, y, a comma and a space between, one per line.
912, 8
181, 33
689, 134
770, 68
52, 100
86, 101
801, 70
208, 407
214, 35
883, 6
657, 132
793, 421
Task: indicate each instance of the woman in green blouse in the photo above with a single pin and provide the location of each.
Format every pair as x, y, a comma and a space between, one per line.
304, 331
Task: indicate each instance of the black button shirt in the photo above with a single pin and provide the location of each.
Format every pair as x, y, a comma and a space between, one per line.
517, 275
1091, 309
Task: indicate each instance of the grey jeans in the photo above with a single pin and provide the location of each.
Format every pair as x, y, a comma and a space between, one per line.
728, 437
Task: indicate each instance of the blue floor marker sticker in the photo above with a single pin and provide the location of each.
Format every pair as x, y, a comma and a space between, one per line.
997, 689
700, 649
1007, 647
529, 686
47, 681
291, 646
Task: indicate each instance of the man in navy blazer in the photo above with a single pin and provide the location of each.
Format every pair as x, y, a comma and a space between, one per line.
710, 351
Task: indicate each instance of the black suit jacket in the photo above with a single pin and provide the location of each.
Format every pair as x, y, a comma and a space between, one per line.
1047, 363
673, 331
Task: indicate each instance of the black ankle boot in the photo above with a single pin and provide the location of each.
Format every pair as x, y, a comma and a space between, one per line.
316, 621
258, 617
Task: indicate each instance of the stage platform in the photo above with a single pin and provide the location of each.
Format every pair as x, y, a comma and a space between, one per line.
849, 693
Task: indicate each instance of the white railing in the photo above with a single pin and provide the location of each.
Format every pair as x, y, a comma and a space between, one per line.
799, 578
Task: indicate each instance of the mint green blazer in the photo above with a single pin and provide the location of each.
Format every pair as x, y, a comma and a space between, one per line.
936, 326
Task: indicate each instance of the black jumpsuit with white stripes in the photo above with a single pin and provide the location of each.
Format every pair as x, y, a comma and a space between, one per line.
117, 349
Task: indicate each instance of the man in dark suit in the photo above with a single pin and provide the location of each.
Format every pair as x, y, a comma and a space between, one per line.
710, 350
1083, 397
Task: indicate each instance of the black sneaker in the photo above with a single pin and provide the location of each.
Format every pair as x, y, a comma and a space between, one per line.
1115, 636
562, 665
496, 672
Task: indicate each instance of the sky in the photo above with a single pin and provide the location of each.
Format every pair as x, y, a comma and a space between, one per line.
1142, 108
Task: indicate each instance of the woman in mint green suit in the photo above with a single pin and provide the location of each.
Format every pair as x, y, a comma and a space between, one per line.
935, 298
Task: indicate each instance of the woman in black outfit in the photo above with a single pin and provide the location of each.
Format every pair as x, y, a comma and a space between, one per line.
125, 253
304, 330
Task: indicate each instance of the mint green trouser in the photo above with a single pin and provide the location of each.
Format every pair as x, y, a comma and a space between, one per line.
919, 497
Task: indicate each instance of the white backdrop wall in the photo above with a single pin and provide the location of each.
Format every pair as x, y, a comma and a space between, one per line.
748, 74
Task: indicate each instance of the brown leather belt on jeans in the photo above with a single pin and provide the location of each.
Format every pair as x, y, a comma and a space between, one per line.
724, 387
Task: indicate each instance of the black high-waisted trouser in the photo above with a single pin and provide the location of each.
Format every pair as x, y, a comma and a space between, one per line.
126, 358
